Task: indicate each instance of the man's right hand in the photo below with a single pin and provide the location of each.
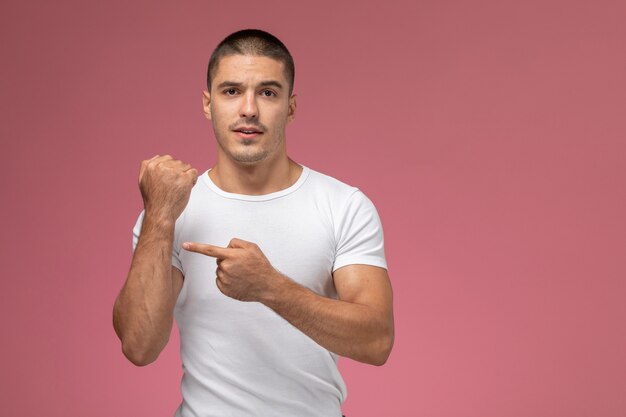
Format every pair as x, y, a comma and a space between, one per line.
144, 310
165, 185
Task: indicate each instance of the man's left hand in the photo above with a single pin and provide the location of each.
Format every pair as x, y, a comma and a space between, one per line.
243, 272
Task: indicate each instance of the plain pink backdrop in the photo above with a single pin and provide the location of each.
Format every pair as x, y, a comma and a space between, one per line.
489, 134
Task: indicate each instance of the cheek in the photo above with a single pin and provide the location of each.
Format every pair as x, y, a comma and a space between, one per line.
280, 120
219, 119
220, 125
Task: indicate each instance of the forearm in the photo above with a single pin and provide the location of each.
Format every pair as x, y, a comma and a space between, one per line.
360, 332
359, 326
143, 311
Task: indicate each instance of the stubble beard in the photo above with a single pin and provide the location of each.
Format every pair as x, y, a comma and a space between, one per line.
249, 155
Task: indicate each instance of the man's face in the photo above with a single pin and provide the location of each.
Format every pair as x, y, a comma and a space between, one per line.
250, 106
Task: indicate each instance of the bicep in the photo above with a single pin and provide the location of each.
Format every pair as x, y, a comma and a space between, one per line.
365, 284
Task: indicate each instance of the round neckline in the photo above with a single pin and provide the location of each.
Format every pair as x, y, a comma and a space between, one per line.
262, 197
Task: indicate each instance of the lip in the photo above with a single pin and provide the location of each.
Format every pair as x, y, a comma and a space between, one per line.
254, 132
248, 135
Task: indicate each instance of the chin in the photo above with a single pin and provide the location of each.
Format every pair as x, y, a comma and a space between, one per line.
247, 159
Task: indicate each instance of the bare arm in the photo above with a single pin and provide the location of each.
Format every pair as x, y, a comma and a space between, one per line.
359, 325
143, 311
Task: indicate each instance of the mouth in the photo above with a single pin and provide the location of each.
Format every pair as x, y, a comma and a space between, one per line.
248, 132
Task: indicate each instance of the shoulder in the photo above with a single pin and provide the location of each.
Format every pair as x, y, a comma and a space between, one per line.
339, 193
330, 186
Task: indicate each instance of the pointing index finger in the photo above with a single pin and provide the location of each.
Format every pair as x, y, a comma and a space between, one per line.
206, 249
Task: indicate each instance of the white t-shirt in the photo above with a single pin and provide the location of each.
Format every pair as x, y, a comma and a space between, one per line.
241, 358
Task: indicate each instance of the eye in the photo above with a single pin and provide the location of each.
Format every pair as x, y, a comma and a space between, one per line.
230, 91
268, 93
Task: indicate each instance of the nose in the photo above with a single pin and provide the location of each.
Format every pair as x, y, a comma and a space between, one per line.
249, 108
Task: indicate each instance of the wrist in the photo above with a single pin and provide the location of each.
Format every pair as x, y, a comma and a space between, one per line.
154, 222
158, 218
279, 289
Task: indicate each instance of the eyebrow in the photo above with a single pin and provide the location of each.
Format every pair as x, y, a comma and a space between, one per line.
271, 83
268, 83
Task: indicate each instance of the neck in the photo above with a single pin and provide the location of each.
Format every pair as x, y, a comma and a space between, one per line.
255, 179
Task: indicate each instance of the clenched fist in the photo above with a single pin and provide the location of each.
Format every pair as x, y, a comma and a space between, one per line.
165, 185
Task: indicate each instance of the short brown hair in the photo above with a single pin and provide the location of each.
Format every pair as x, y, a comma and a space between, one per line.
252, 42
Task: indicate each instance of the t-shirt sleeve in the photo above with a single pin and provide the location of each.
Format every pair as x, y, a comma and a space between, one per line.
175, 249
359, 234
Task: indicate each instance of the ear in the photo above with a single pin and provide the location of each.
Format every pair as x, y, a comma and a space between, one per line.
292, 108
206, 104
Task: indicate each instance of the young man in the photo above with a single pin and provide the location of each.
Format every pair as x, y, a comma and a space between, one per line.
271, 269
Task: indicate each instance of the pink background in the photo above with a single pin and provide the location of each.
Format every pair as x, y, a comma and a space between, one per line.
490, 135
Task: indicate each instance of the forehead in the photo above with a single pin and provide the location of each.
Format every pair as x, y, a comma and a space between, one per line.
249, 69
